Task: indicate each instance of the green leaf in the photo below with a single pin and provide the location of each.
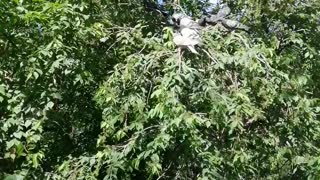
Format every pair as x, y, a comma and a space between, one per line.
35, 160
50, 105
13, 177
18, 134
2, 90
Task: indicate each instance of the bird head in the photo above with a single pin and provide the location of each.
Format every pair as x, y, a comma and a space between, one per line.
177, 17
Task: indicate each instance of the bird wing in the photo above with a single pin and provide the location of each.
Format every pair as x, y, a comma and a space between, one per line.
234, 24
177, 39
192, 49
213, 19
185, 41
187, 38
190, 33
230, 23
187, 22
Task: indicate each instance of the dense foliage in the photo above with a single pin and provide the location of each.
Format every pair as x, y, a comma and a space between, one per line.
92, 90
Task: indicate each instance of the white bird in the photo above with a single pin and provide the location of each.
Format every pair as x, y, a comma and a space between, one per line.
177, 16
187, 22
186, 38
187, 35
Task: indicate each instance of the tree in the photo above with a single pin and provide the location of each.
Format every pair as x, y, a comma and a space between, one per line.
92, 90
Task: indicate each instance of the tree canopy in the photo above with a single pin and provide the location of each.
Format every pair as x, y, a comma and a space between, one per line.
92, 90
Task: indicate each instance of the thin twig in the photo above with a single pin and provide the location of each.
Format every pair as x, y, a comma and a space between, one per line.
177, 5
118, 27
236, 80
113, 44
149, 93
265, 63
212, 58
180, 59
201, 114
150, 127
144, 46
231, 78
125, 143
262, 60
240, 37
164, 171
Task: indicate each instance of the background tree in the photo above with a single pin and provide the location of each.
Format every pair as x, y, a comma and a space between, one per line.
92, 90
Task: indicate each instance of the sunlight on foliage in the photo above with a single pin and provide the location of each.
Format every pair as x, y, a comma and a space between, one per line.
92, 90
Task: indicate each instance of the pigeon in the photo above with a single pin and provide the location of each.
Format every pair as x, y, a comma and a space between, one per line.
202, 21
187, 38
213, 19
233, 24
187, 22
184, 21
224, 12
176, 17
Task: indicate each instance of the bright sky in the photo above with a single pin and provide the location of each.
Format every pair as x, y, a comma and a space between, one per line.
213, 2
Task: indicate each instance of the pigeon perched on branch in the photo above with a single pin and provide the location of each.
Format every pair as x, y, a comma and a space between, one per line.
184, 21
213, 19
233, 24
188, 33
187, 38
